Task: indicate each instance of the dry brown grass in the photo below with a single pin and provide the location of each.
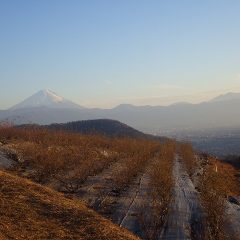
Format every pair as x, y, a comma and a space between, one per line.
230, 176
187, 154
31, 211
216, 184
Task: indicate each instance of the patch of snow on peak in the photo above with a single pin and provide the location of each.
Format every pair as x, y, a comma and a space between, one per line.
46, 98
53, 95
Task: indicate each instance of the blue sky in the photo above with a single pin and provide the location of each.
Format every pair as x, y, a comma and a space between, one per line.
105, 52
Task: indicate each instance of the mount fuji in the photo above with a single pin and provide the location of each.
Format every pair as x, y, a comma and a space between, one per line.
45, 98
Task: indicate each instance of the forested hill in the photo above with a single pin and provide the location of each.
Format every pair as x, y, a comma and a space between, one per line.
106, 127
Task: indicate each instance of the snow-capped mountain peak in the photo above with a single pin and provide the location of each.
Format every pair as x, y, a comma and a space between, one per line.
50, 94
46, 98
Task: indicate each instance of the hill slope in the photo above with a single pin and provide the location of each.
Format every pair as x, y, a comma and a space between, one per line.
106, 127
31, 211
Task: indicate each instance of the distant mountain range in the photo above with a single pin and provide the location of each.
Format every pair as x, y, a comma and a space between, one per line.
227, 97
46, 107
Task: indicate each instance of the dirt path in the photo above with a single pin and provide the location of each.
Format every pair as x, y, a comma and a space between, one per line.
184, 220
96, 188
130, 204
122, 208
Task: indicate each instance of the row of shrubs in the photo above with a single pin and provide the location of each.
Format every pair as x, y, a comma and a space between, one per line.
69, 158
214, 185
161, 182
135, 165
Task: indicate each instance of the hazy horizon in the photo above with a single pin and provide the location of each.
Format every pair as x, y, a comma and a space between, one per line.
105, 53
121, 103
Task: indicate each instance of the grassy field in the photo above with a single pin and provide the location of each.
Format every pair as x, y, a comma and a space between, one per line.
31, 211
